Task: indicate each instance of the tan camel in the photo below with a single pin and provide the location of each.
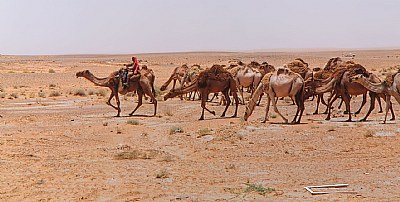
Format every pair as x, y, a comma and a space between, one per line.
140, 84
247, 77
341, 86
212, 80
390, 87
176, 75
281, 83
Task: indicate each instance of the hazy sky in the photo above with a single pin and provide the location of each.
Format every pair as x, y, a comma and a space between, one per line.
137, 26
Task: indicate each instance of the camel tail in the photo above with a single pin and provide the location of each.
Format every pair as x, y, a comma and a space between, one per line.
327, 87
253, 102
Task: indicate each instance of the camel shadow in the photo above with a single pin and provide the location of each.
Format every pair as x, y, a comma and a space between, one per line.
282, 123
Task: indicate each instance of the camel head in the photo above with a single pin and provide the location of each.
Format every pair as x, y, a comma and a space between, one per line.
83, 73
170, 94
247, 113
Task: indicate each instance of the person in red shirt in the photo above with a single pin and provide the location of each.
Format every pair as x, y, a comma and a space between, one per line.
131, 67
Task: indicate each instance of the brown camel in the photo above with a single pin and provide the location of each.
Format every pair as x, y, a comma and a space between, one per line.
281, 83
390, 87
140, 84
212, 80
190, 75
300, 67
176, 75
341, 86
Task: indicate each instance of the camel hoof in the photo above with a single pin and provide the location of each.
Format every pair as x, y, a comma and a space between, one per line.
201, 118
263, 121
392, 119
380, 111
349, 120
345, 112
357, 113
315, 113
213, 112
362, 120
233, 116
131, 114
327, 119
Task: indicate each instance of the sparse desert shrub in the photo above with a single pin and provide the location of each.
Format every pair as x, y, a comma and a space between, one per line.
42, 94
91, 92
3, 95
369, 133
203, 132
175, 129
133, 122
274, 116
52, 71
80, 92
54, 94
168, 112
52, 85
101, 92
162, 174
14, 95
258, 189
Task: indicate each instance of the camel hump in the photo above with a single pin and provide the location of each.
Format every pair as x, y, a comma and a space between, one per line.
282, 70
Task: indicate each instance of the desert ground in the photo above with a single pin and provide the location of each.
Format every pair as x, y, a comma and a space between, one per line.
59, 141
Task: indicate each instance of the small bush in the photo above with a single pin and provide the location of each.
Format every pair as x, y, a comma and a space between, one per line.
80, 92
42, 94
3, 95
203, 132
13, 95
91, 92
258, 189
175, 129
52, 71
52, 85
54, 94
133, 122
101, 92
162, 174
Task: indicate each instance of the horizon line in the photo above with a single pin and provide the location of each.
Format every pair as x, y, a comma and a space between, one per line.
272, 50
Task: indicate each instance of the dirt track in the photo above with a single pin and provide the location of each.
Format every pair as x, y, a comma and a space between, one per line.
68, 147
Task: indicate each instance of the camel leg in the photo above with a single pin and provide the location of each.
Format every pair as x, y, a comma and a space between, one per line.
372, 106
228, 100
364, 100
203, 105
266, 109
391, 110
318, 101
388, 106
300, 106
109, 101
259, 99
276, 108
236, 99
380, 104
241, 94
346, 99
329, 108
140, 97
118, 103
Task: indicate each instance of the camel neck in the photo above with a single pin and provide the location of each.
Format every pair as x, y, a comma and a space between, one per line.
374, 87
97, 81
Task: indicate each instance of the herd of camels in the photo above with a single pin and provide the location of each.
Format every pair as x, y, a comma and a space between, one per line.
338, 78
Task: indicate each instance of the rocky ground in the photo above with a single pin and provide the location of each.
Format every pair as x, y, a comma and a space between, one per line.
60, 141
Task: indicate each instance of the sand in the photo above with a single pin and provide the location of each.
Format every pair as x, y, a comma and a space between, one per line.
58, 146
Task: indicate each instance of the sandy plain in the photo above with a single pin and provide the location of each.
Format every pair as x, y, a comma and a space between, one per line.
58, 146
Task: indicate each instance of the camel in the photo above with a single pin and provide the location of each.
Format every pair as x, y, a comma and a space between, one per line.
247, 77
281, 83
212, 80
300, 67
176, 75
341, 86
141, 84
189, 76
390, 87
